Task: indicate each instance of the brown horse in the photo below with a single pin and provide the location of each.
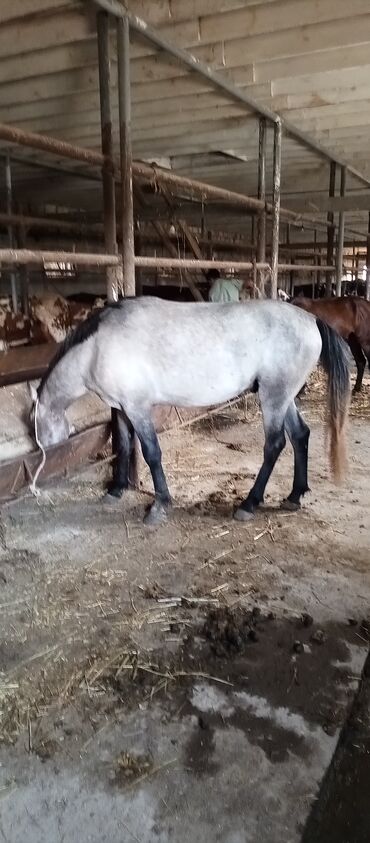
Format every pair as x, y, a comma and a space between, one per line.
350, 317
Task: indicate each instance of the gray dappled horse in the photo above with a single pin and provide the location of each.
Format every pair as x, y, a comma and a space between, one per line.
142, 352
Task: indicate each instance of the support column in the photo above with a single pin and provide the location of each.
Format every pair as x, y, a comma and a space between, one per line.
261, 230
367, 289
276, 209
339, 261
109, 200
127, 200
127, 204
24, 274
331, 232
9, 208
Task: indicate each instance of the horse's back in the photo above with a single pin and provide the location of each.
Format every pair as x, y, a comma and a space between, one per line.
339, 313
201, 353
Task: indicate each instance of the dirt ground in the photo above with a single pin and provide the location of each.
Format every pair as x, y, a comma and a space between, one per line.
188, 682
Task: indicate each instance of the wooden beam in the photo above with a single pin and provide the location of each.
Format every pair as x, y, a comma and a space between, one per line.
16, 474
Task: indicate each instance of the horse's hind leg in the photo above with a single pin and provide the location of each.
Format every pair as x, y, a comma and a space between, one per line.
122, 445
360, 360
273, 419
145, 431
299, 434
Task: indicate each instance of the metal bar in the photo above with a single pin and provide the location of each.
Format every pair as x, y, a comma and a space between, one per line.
127, 202
24, 275
303, 267
50, 224
26, 256
193, 264
261, 230
9, 204
276, 209
331, 231
315, 277
206, 72
367, 289
339, 256
144, 171
188, 263
109, 199
52, 145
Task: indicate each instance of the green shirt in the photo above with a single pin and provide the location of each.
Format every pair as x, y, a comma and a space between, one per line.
225, 290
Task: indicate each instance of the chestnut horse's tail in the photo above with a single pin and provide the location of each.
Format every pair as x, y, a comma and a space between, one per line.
334, 359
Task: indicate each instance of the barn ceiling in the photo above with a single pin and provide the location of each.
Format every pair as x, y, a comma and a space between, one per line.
308, 60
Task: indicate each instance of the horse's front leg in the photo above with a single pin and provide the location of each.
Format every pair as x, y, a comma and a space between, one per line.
122, 446
152, 454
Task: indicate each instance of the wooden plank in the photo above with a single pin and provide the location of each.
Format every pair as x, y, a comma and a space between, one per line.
305, 39
336, 58
25, 363
16, 474
82, 109
9, 11
321, 82
28, 34
278, 17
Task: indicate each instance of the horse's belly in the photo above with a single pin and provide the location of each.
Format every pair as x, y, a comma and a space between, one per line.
195, 392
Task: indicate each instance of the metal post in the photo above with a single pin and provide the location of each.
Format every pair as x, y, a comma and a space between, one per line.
367, 289
109, 201
24, 274
276, 209
314, 279
339, 261
127, 205
261, 231
9, 203
331, 230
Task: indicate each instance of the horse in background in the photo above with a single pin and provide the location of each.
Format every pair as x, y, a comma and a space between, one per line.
350, 317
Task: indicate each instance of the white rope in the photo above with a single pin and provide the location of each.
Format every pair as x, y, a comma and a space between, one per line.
33, 487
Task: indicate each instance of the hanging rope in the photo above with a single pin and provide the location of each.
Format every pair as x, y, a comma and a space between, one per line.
33, 487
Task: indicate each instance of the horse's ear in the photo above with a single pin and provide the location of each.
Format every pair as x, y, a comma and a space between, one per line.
32, 391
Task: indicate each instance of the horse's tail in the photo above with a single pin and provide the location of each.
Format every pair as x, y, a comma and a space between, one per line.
334, 359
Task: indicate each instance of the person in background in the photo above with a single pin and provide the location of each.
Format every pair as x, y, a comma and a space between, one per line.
224, 289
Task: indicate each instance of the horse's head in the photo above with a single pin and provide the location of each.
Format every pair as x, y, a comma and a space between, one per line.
48, 426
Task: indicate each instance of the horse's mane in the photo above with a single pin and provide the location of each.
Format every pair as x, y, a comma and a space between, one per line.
81, 333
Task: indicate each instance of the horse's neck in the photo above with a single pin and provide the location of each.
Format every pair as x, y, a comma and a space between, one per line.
66, 381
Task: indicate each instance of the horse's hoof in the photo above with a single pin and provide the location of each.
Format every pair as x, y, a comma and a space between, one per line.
110, 499
243, 515
290, 506
156, 515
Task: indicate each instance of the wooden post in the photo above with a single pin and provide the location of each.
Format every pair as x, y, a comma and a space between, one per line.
127, 199
339, 260
261, 231
276, 209
9, 204
109, 200
331, 232
127, 204
367, 290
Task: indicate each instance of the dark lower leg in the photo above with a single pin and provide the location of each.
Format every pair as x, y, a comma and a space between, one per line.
145, 431
122, 444
360, 361
274, 444
299, 435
